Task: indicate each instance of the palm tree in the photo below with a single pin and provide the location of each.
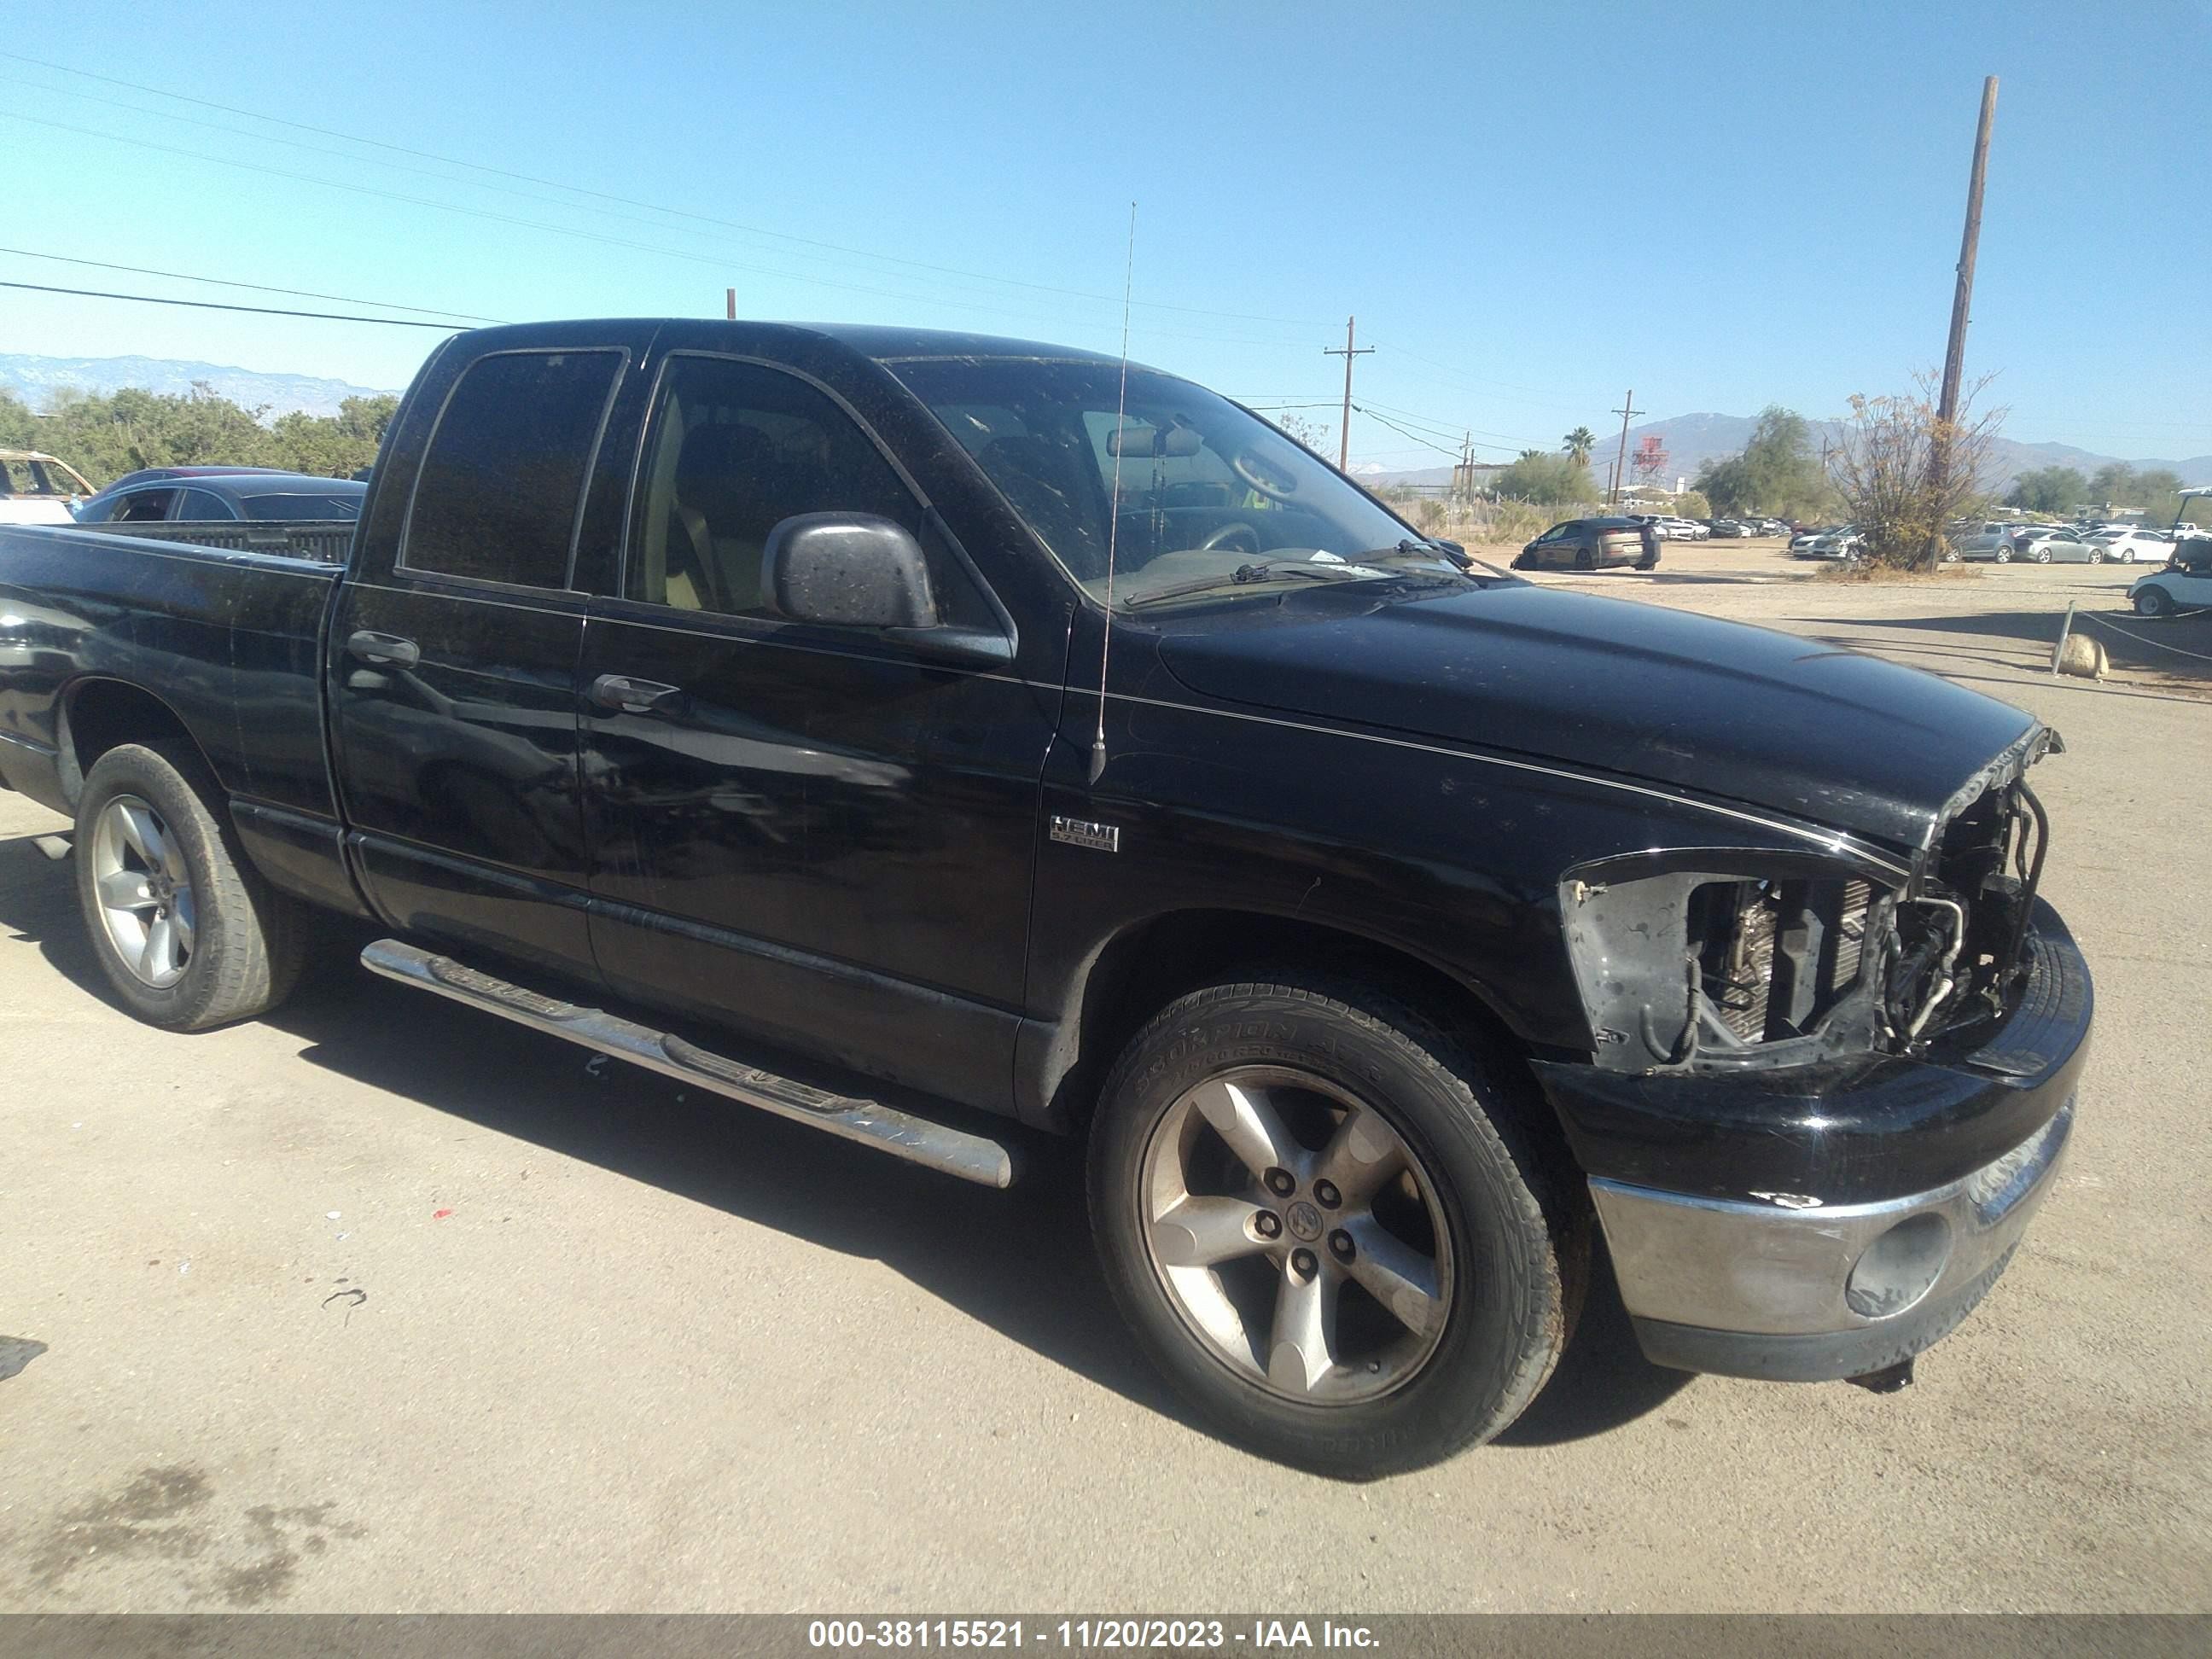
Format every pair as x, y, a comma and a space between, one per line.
1579, 444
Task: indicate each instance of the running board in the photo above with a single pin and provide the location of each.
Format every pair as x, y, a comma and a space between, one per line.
954, 1151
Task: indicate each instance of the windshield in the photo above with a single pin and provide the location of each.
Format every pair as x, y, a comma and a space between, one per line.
1206, 490
338, 504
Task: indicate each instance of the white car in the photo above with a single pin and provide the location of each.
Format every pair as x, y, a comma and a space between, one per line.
2186, 585
36, 488
2133, 546
1844, 544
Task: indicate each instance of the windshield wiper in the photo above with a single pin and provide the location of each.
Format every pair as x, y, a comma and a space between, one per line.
1263, 571
1408, 547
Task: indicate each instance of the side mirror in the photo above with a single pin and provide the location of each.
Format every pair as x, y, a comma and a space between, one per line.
856, 570
848, 569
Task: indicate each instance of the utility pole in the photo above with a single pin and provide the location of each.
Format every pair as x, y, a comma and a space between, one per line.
1962, 303
1347, 352
730, 303
1620, 461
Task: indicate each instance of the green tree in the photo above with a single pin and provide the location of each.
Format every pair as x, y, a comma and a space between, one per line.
1691, 505
2049, 489
1778, 472
1552, 478
1578, 445
2158, 492
105, 437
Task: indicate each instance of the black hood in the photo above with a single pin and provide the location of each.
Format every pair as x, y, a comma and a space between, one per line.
1633, 689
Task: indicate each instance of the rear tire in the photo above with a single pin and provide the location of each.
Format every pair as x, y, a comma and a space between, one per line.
187, 931
1481, 1245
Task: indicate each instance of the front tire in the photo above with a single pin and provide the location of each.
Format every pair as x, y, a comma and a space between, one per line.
2153, 602
188, 933
1327, 1225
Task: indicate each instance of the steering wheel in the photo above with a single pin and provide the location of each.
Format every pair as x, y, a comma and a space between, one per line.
1264, 476
1236, 530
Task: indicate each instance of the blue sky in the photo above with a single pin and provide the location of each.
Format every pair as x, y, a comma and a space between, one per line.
1530, 209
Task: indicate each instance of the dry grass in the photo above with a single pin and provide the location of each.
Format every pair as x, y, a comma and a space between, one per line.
1887, 575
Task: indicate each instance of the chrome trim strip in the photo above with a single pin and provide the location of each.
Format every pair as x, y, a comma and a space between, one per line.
44, 750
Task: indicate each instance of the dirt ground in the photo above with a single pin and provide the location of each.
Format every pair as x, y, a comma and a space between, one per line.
381, 1304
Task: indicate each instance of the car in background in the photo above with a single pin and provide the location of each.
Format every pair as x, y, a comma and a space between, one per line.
1773, 527
149, 474
259, 496
2052, 544
36, 488
1586, 544
2135, 546
1726, 529
2185, 585
1842, 544
1681, 529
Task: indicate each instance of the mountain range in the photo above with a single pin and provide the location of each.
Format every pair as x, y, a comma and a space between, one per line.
1691, 441
36, 379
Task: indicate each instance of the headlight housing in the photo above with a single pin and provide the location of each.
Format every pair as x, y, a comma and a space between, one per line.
1722, 960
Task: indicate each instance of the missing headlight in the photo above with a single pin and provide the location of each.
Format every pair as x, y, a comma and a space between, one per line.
1723, 968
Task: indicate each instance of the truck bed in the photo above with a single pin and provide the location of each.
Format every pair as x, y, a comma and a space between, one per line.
226, 638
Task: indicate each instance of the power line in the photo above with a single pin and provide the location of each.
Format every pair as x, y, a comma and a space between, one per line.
716, 261
626, 201
258, 288
1452, 454
217, 305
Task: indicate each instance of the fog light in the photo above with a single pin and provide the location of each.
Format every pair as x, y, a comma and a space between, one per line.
1899, 1268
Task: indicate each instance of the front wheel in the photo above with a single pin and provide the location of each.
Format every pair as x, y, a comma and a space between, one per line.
188, 933
1326, 1224
2042, 555
2153, 602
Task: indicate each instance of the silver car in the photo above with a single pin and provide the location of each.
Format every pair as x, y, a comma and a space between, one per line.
2057, 546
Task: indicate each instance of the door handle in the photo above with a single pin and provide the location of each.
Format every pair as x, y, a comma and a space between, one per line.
621, 693
387, 649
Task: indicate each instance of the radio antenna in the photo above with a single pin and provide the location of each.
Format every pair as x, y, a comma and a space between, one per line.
1114, 508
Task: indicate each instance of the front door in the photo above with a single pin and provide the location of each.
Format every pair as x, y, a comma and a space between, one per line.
809, 834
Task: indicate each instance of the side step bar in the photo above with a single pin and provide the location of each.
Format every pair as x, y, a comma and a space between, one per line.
954, 1151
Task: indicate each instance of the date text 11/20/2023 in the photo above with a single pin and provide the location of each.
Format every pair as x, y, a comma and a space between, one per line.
1258, 1634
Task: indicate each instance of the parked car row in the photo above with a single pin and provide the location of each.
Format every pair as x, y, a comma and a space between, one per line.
37, 488
2055, 544
1699, 530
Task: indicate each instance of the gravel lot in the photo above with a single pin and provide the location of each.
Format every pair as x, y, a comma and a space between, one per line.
382, 1304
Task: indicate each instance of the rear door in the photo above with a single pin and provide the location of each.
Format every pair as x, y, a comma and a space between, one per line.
814, 835
454, 653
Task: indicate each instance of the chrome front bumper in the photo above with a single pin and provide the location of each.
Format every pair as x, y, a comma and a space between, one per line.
1801, 1294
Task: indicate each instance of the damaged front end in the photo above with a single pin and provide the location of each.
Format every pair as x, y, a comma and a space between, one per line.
1826, 1091
1692, 960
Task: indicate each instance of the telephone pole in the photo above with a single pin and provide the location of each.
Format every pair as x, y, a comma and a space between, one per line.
730, 303
1348, 351
1620, 461
1962, 303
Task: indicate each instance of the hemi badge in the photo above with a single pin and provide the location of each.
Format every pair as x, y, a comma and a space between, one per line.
1098, 837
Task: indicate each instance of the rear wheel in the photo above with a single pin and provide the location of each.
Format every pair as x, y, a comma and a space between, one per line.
2004, 556
187, 930
2097, 556
1326, 1226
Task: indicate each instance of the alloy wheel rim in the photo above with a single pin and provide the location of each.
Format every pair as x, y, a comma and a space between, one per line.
145, 891
1298, 1236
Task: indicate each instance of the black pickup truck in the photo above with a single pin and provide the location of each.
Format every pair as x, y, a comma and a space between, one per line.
907, 733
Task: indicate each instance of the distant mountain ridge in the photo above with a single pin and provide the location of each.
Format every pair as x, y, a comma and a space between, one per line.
36, 379
1691, 441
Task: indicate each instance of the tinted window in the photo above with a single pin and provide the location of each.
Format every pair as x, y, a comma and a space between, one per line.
142, 506
735, 449
504, 476
200, 507
339, 504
